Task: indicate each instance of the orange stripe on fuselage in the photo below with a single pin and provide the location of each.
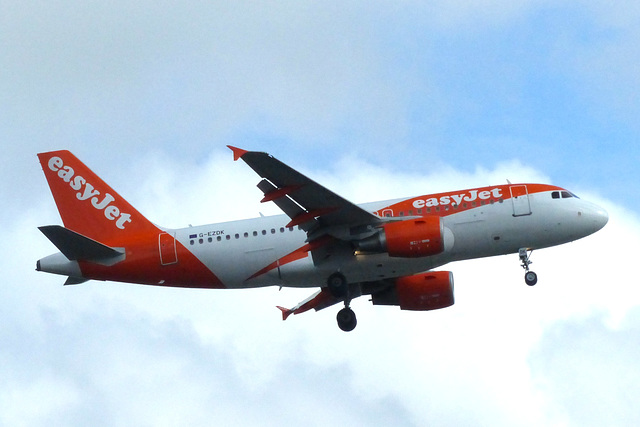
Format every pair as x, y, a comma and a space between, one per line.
143, 265
444, 204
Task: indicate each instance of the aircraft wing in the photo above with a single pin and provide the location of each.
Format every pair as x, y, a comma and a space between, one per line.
323, 298
309, 205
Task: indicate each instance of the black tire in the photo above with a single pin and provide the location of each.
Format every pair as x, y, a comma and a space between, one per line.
346, 319
337, 285
530, 278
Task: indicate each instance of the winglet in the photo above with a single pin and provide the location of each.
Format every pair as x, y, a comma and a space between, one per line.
285, 312
237, 152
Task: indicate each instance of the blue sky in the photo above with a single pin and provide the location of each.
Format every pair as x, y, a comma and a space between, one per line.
375, 100
550, 85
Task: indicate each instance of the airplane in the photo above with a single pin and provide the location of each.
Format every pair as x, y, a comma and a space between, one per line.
387, 249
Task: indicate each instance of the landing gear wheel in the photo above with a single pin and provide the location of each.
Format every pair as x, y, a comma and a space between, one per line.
530, 278
346, 319
337, 285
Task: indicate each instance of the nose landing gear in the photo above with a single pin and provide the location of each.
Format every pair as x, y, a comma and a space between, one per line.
530, 278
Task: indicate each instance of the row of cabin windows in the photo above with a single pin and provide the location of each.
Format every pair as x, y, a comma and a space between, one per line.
237, 235
446, 208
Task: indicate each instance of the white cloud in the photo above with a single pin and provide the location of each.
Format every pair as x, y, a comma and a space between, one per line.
168, 355
588, 371
48, 399
163, 84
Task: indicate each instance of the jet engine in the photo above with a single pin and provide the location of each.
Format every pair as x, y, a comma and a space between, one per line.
411, 238
425, 291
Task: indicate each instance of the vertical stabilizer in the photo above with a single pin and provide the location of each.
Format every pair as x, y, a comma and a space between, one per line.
87, 204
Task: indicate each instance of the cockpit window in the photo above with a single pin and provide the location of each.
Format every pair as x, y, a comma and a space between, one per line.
563, 194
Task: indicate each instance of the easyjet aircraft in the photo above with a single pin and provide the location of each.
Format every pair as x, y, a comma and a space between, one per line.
387, 249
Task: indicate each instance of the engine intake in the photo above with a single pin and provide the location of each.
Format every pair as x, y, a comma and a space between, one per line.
412, 238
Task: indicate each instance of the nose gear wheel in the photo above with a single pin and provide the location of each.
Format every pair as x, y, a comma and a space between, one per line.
530, 278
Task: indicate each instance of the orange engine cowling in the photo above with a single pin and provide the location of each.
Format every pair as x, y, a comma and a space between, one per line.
411, 238
425, 291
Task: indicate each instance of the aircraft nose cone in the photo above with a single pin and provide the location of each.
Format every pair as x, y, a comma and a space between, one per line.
601, 217
596, 217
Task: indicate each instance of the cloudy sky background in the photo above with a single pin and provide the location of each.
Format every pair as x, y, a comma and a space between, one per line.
375, 100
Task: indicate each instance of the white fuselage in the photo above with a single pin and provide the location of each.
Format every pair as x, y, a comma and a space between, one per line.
236, 252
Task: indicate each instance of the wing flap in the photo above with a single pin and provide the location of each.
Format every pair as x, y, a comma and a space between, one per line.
286, 204
309, 201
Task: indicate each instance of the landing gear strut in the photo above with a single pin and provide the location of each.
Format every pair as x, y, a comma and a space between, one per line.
339, 288
530, 277
338, 285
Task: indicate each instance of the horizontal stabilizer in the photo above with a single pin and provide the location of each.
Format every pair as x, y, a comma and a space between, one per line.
74, 280
77, 247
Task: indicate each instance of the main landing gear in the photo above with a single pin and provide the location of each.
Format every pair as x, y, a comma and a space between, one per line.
530, 278
346, 319
339, 288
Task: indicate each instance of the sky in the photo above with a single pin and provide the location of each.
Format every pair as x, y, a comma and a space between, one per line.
375, 100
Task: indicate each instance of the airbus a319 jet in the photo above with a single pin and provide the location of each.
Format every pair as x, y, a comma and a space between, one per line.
388, 250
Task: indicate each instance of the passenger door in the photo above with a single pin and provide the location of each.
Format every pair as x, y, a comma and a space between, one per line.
520, 200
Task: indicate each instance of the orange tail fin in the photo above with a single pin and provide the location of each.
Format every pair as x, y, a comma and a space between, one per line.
87, 204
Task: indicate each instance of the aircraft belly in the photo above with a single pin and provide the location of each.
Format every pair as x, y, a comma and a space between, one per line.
303, 273
246, 268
